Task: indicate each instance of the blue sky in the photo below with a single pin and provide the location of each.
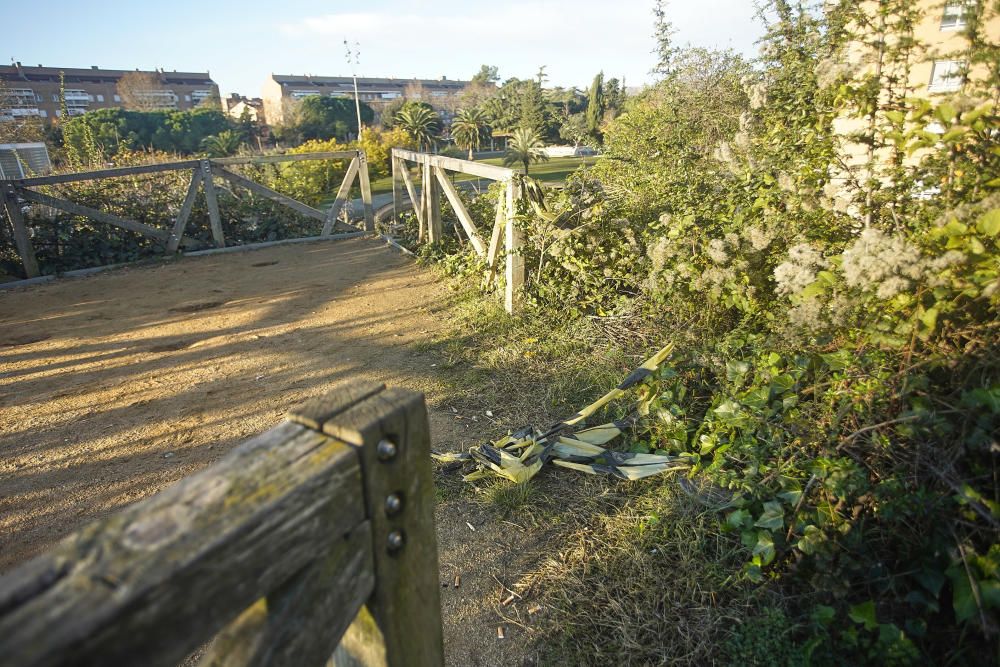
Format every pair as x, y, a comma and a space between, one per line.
241, 43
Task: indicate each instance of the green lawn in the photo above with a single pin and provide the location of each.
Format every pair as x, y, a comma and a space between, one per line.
556, 169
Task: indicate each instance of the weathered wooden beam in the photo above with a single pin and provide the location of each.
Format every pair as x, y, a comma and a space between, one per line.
514, 273
489, 171
432, 194
102, 173
366, 192
20, 230
302, 621
342, 193
177, 233
498, 230
94, 214
212, 202
397, 190
468, 224
297, 157
274, 195
390, 430
412, 192
150, 584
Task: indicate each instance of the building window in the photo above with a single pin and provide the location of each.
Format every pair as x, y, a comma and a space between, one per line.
187, 98
955, 16
118, 98
100, 98
946, 76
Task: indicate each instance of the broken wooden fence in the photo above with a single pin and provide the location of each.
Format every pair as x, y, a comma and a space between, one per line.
322, 525
434, 180
203, 174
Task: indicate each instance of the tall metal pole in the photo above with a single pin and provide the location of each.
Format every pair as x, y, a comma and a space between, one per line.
353, 59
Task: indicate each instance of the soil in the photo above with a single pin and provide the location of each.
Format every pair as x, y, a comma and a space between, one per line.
114, 386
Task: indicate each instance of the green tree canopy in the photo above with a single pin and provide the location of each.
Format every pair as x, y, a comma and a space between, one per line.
525, 147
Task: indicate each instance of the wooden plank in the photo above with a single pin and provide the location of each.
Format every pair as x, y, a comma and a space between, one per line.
412, 192
468, 224
406, 600
317, 411
297, 157
514, 273
435, 228
177, 233
274, 195
366, 192
302, 622
150, 584
397, 190
94, 214
341, 199
480, 169
215, 220
498, 230
21, 237
103, 173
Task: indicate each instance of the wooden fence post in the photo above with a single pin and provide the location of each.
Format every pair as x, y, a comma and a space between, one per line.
213, 204
182, 217
390, 430
433, 213
515, 261
21, 237
397, 189
366, 192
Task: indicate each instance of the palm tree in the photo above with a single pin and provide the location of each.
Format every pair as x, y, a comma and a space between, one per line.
468, 127
525, 146
222, 144
420, 122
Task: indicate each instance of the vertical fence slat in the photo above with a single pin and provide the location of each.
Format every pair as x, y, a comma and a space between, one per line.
213, 204
397, 189
366, 192
515, 261
433, 194
21, 237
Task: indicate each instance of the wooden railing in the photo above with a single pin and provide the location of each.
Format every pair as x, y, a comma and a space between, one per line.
321, 525
427, 208
203, 174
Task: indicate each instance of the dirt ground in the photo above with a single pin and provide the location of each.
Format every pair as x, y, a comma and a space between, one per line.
116, 385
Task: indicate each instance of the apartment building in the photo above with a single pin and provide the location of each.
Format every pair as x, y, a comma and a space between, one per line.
939, 71
281, 90
34, 91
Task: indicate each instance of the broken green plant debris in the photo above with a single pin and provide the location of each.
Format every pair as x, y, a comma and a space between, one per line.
520, 455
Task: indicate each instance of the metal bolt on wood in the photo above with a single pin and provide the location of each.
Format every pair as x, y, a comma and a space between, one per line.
393, 505
396, 541
386, 450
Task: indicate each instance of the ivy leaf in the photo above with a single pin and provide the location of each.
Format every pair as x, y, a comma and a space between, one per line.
764, 549
989, 224
736, 370
736, 520
773, 517
962, 599
728, 410
824, 615
864, 613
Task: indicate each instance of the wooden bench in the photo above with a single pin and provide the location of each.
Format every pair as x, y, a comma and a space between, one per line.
320, 529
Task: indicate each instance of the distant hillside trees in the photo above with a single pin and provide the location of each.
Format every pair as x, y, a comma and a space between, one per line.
323, 118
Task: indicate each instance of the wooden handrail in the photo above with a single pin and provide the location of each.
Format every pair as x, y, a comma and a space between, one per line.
279, 546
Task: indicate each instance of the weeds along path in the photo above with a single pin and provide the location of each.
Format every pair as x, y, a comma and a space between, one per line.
114, 386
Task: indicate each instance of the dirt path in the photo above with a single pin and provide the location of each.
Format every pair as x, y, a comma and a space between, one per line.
114, 386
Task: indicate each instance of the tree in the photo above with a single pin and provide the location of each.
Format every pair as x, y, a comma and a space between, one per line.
574, 129
614, 98
222, 144
525, 147
487, 74
420, 121
468, 128
326, 118
142, 91
595, 106
533, 107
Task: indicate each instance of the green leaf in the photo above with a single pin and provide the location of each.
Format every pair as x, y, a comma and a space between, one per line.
737, 519
728, 410
764, 549
945, 112
773, 517
824, 615
989, 224
736, 370
864, 613
811, 540
929, 318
